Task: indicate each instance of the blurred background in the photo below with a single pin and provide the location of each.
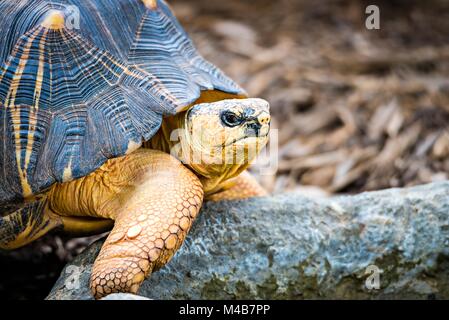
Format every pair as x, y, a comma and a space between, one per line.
356, 109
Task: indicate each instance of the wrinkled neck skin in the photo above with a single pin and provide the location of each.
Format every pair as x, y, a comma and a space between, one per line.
213, 166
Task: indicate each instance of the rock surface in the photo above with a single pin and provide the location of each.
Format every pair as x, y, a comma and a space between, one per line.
292, 247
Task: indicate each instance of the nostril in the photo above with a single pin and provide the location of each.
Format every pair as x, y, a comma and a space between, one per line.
264, 119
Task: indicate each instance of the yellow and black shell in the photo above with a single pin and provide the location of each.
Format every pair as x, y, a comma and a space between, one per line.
84, 81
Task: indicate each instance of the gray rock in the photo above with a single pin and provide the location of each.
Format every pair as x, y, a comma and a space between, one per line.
292, 247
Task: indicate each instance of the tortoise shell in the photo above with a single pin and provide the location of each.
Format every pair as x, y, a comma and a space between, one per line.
84, 81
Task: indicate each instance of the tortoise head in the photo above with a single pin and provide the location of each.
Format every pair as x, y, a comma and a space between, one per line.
224, 134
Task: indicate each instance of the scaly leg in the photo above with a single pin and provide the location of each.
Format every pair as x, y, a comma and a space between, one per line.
241, 187
155, 211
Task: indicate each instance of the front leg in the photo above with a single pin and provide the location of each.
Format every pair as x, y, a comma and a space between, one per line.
150, 224
241, 187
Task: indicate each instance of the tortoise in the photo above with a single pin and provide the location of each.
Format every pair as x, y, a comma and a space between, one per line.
110, 119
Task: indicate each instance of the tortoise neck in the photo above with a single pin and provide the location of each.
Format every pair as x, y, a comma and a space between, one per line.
173, 137
164, 139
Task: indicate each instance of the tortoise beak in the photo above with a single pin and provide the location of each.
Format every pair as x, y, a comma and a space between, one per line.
253, 129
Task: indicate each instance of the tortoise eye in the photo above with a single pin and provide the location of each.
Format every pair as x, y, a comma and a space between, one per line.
230, 119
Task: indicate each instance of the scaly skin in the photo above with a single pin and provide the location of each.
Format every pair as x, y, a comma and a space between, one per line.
148, 229
153, 199
27, 224
241, 187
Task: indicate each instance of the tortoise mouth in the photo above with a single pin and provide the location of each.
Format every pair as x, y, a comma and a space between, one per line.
247, 137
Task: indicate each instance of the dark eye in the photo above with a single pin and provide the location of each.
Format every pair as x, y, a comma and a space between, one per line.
230, 119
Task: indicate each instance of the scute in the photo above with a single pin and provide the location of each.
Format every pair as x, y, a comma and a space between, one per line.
72, 98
